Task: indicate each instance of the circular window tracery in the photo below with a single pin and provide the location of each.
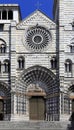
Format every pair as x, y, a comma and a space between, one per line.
38, 38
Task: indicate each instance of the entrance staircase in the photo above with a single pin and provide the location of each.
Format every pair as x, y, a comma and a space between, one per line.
35, 125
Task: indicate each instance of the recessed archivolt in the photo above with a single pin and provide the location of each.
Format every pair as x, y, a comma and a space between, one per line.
4, 88
38, 81
69, 85
40, 76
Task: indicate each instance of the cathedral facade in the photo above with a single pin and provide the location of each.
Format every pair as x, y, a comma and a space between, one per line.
37, 63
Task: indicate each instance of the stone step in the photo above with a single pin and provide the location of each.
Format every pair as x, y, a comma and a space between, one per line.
37, 129
34, 125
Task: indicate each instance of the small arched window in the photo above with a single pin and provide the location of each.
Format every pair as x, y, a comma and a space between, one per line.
68, 65
2, 48
71, 89
20, 62
73, 25
6, 66
72, 45
4, 14
53, 63
10, 14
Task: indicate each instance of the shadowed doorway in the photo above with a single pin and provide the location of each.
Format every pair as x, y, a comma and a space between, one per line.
1, 109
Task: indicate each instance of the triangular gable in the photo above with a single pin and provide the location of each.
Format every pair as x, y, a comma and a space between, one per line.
37, 15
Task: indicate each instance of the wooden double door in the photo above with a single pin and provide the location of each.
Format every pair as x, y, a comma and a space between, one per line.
37, 108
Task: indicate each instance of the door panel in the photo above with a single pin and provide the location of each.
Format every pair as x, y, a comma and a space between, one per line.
73, 105
33, 108
41, 108
1, 109
37, 108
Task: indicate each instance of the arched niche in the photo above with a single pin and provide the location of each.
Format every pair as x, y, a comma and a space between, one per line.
10, 15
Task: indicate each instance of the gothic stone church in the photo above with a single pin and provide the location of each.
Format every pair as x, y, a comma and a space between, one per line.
37, 63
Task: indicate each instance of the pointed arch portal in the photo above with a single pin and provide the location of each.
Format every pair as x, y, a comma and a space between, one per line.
41, 86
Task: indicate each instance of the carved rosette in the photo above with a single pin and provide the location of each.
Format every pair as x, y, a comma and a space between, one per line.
37, 38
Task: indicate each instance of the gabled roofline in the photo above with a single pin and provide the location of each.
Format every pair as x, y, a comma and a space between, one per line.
45, 15
38, 10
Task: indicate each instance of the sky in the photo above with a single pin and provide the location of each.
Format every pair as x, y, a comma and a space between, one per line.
29, 6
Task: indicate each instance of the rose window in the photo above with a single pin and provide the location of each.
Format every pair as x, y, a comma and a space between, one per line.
38, 38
